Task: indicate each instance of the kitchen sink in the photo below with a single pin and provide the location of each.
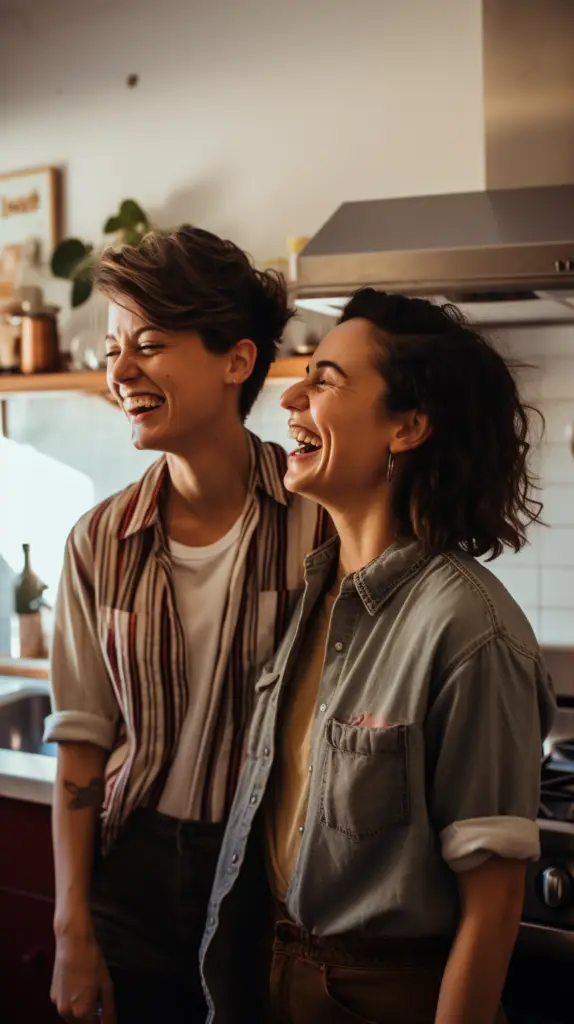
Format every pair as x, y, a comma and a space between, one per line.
22, 724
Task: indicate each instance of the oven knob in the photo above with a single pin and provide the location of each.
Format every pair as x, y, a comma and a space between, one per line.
556, 887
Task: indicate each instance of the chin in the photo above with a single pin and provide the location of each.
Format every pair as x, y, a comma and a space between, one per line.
143, 441
293, 482
297, 484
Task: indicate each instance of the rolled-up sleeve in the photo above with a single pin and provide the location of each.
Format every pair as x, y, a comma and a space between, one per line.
84, 706
484, 736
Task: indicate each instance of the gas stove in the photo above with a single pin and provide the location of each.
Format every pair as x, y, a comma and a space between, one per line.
539, 988
548, 917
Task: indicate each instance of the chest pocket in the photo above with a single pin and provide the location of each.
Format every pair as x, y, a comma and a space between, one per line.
365, 784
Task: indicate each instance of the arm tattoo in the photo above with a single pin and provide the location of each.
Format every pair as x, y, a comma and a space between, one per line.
91, 795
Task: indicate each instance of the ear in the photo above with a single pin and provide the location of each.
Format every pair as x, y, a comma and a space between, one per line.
412, 430
240, 361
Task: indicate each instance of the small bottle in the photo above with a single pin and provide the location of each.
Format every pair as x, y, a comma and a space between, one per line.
27, 634
29, 588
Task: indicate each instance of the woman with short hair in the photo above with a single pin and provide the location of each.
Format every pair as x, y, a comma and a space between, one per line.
174, 594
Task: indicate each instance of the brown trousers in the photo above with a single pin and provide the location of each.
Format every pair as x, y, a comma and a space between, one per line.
354, 980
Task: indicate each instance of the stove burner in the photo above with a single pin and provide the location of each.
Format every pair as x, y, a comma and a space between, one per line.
557, 783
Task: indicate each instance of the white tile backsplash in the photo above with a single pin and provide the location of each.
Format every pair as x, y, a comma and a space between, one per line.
550, 387
556, 588
557, 548
557, 464
557, 626
558, 417
558, 505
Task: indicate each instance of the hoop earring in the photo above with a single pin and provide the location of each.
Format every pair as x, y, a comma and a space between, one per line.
390, 466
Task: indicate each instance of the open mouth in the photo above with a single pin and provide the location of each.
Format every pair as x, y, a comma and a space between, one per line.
140, 406
309, 444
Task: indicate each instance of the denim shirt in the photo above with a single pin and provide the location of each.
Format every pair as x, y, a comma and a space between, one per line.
425, 753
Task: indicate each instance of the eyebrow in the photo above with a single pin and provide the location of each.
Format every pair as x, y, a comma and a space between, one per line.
329, 364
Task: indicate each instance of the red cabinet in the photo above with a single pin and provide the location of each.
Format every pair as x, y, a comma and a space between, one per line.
26, 912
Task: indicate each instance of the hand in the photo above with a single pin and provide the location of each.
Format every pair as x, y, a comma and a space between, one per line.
81, 982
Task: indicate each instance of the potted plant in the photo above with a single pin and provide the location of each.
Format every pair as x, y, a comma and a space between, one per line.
75, 260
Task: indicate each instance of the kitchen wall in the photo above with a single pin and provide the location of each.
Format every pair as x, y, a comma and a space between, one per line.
541, 577
253, 119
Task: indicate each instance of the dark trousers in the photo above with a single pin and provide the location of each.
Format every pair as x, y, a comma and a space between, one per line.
353, 979
149, 904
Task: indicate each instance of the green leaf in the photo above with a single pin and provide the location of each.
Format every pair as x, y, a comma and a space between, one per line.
81, 291
132, 236
131, 214
67, 255
84, 270
112, 224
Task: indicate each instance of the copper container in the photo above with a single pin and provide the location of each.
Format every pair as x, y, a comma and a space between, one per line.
39, 343
10, 328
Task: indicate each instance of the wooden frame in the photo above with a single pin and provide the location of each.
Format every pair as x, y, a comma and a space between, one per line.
28, 189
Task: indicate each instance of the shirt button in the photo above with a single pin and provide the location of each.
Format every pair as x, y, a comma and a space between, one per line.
339, 646
212, 921
301, 829
266, 751
322, 707
234, 859
310, 768
253, 799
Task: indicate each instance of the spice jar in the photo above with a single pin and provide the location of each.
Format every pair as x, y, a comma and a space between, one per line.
10, 329
39, 342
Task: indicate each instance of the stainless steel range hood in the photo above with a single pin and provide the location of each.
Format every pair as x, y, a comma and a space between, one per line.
505, 255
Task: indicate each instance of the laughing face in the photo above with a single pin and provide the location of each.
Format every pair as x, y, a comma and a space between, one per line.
174, 392
337, 416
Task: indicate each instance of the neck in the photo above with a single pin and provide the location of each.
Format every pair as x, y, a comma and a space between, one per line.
365, 530
211, 483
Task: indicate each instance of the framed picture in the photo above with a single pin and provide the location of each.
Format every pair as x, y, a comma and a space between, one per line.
29, 219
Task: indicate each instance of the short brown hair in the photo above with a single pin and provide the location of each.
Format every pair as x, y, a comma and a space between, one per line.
468, 486
191, 280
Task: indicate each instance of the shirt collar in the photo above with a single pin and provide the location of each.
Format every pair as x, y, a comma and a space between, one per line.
377, 581
143, 507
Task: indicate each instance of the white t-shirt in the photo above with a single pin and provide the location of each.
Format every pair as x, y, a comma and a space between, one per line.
201, 578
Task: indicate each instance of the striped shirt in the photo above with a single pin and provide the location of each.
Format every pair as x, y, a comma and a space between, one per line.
118, 660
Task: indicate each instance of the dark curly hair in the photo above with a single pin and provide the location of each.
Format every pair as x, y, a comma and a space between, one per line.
191, 280
468, 486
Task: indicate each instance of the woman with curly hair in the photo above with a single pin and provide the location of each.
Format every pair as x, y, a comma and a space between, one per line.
392, 777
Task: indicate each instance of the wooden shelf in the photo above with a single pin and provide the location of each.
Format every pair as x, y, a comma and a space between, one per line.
27, 668
286, 368
93, 382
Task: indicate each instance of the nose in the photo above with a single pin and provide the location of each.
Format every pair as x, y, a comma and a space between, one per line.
295, 397
122, 368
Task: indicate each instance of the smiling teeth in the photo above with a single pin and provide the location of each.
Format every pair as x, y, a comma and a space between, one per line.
141, 402
300, 435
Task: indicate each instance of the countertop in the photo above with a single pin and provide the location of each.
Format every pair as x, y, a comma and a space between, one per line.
25, 776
